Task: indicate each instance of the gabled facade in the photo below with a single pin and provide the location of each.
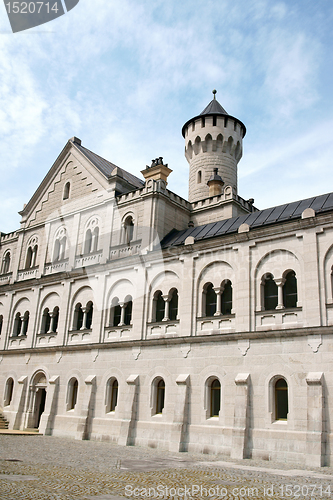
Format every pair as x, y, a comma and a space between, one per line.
130, 314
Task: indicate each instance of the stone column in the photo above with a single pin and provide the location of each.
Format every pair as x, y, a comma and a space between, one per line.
83, 430
218, 290
84, 321
47, 420
166, 299
315, 445
19, 401
240, 433
128, 422
122, 313
280, 282
52, 315
180, 418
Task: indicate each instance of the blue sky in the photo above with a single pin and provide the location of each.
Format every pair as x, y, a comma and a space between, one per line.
125, 76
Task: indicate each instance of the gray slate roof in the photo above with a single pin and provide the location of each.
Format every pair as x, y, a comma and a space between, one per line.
214, 107
106, 167
261, 218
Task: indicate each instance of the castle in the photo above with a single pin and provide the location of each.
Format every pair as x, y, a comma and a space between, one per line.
130, 314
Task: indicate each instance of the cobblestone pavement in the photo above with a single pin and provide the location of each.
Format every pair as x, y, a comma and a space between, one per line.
50, 468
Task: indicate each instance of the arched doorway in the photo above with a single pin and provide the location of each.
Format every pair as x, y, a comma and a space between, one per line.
37, 399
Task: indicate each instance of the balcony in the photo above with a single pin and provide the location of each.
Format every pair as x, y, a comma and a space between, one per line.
5, 278
279, 319
17, 342
27, 274
125, 250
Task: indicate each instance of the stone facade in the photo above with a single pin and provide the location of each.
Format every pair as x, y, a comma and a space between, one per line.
122, 319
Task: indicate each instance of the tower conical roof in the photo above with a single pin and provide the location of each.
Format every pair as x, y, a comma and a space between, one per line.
214, 107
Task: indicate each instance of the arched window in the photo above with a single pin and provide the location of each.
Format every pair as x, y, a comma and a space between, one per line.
227, 298
78, 317
210, 308
270, 293
128, 229
115, 313
88, 242
6, 263
112, 395
173, 308
54, 319
89, 315
31, 257
215, 398
67, 189
46, 321
159, 305
1, 322
128, 312
8, 391
95, 236
281, 399
17, 325
25, 323
199, 177
290, 290
160, 396
72, 391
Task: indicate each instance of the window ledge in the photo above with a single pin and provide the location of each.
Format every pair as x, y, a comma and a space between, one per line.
47, 334
18, 337
169, 322
118, 327
203, 318
278, 311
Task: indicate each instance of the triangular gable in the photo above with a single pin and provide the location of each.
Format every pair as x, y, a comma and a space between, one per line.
88, 185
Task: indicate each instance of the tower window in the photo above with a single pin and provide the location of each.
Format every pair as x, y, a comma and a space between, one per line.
203, 122
214, 120
199, 177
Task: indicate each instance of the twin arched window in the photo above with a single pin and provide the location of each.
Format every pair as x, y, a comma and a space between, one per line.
21, 324
165, 307
6, 263
121, 312
83, 316
280, 293
59, 248
31, 256
50, 320
217, 301
91, 240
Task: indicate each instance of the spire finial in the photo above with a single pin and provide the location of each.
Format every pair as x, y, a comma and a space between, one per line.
214, 92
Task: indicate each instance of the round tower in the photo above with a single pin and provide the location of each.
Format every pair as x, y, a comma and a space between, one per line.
213, 140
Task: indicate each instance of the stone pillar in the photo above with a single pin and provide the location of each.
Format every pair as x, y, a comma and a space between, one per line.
47, 420
122, 313
85, 421
240, 433
218, 291
128, 422
84, 321
179, 427
315, 445
166, 299
280, 282
19, 401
